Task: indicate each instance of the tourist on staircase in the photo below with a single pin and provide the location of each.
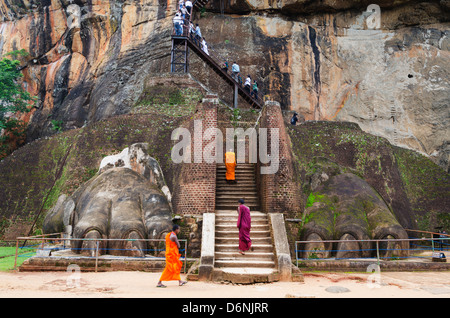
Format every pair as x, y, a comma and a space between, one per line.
235, 69
225, 67
244, 225
184, 12
248, 83
294, 119
191, 31
188, 5
178, 23
198, 35
205, 46
255, 90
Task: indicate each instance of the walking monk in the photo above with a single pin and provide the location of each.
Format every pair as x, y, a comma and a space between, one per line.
173, 263
244, 225
230, 164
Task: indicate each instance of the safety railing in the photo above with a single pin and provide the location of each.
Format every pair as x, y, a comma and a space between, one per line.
380, 249
56, 245
186, 29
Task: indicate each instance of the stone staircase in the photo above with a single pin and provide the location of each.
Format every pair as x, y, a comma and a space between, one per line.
229, 265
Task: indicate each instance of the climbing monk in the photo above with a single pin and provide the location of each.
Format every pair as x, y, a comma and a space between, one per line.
173, 263
230, 164
244, 225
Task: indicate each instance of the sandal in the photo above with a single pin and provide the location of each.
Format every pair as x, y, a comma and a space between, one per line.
161, 286
182, 283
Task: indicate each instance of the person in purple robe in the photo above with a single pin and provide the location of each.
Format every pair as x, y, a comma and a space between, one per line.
244, 225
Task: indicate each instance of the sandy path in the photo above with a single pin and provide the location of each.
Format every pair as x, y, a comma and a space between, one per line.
140, 284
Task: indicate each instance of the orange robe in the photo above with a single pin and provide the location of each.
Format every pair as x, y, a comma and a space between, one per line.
230, 164
173, 263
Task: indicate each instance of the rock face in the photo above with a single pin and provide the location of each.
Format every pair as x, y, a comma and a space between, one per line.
335, 157
88, 59
119, 203
385, 68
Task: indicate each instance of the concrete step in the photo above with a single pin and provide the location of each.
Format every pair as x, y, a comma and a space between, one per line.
247, 275
237, 170
233, 203
239, 181
236, 186
231, 206
234, 189
234, 240
237, 178
232, 226
230, 221
238, 165
249, 173
249, 255
257, 248
249, 201
220, 204
234, 199
240, 184
235, 233
242, 263
233, 213
236, 194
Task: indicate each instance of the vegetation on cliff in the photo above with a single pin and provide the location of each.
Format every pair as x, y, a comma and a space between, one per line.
35, 175
415, 189
14, 100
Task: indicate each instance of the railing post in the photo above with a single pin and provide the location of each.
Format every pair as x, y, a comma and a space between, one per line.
378, 254
17, 252
185, 255
235, 95
432, 242
96, 255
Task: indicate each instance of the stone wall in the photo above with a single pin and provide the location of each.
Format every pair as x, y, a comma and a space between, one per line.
196, 190
279, 191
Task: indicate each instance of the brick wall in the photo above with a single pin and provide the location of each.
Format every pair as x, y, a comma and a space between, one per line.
279, 191
196, 190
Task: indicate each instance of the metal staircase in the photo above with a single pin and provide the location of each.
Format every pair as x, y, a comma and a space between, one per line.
180, 60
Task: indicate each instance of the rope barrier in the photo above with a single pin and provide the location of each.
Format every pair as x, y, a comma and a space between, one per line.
413, 251
58, 244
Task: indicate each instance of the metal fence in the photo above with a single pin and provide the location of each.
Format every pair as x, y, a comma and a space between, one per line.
56, 245
380, 249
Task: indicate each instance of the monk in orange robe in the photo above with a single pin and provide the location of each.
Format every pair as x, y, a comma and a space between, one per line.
173, 263
230, 164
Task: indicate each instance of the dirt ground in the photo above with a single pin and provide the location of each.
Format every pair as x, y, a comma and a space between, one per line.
143, 285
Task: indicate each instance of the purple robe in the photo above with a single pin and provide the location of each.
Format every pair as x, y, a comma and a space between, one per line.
244, 225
